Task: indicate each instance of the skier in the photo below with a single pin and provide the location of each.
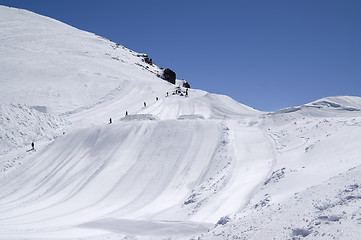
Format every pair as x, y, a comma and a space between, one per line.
167, 94
156, 98
126, 113
110, 120
145, 104
187, 92
32, 145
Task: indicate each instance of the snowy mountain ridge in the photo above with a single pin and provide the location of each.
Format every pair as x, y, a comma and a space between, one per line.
343, 104
95, 66
173, 163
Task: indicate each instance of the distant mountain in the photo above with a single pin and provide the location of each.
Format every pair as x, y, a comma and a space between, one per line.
328, 106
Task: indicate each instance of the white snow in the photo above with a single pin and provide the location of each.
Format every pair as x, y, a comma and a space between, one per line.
200, 166
20, 125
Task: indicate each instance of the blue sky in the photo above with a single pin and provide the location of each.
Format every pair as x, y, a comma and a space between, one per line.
265, 54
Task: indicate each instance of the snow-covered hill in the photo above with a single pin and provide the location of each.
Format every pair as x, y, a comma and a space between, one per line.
54, 65
170, 165
314, 189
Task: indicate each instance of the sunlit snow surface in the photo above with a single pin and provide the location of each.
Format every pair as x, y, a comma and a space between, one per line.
200, 166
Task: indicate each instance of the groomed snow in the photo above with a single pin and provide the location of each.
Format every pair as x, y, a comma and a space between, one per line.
200, 166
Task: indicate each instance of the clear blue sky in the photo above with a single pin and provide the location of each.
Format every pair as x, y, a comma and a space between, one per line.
265, 54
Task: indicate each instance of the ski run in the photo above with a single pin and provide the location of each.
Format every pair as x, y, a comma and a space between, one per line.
169, 165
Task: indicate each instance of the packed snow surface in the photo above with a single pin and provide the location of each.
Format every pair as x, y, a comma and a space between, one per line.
122, 154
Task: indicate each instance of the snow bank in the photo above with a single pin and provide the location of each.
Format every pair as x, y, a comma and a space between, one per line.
20, 125
139, 117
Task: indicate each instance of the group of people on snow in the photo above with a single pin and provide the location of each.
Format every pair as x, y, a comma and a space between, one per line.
177, 92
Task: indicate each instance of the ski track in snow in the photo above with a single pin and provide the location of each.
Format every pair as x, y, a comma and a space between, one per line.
110, 159
200, 166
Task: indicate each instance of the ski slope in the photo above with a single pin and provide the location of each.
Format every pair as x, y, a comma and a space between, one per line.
201, 166
136, 169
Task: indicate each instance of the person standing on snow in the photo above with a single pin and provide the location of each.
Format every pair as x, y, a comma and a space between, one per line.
32, 145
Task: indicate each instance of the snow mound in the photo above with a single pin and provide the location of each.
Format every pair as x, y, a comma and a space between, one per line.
42, 109
224, 106
193, 116
139, 117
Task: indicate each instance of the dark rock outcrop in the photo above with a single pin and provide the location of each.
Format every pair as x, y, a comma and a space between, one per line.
169, 75
146, 59
186, 84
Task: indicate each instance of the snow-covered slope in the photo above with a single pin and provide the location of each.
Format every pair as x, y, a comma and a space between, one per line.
175, 165
68, 68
